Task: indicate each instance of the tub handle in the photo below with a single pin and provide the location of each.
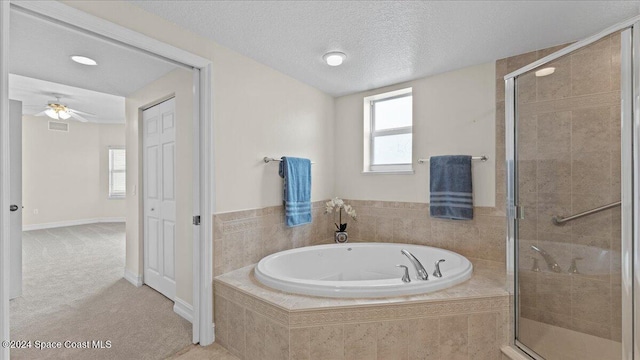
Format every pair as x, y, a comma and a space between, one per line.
437, 272
405, 277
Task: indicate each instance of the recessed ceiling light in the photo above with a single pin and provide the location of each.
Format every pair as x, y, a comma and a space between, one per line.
84, 60
334, 58
546, 71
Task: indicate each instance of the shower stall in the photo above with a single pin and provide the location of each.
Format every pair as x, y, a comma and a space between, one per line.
572, 137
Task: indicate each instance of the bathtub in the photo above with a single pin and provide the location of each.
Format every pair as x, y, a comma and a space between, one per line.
359, 270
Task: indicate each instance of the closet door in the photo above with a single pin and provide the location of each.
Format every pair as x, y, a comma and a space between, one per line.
159, 144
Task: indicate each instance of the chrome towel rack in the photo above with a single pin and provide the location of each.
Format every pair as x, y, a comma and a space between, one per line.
559, 220
479, 158
267, 160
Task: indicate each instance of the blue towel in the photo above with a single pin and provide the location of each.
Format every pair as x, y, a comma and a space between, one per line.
297, 190
451, 187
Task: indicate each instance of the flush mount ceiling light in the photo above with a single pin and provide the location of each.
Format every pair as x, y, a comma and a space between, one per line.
84, 60
546, 71
334, 58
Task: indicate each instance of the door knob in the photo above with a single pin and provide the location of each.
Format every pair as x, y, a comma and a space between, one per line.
13, 207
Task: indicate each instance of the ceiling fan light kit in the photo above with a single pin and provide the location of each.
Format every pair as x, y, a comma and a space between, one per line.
58, 111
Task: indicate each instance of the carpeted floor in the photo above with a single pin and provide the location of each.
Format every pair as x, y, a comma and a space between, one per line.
73, 290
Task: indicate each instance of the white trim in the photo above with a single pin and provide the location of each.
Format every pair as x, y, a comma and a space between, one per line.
59, 224
631, 283
183, 309
4, 178
136, 280
103, 28
213, 331
626, 177
573, 47
60, 13
203, 250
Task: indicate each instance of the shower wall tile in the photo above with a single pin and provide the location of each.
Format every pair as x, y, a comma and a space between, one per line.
571, 132
558, 85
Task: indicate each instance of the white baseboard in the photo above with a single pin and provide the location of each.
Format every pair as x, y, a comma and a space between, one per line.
71, 223
213, 332
183, 309
136, 280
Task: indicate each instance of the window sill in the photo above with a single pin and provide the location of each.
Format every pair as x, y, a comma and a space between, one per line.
116, 198
389, 172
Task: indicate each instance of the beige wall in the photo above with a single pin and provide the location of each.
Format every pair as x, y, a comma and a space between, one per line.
453, 113
65, 174
178, 83
257, 112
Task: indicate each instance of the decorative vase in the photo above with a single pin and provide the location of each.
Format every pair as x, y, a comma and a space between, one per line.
341, 237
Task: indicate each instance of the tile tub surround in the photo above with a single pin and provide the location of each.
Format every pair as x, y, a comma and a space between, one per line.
242, 238
410, 223
569, 142
468, 321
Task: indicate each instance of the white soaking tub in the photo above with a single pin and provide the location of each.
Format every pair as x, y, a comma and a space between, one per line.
360, 270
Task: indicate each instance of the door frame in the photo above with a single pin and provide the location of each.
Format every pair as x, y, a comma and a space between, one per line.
57, 12
630, 180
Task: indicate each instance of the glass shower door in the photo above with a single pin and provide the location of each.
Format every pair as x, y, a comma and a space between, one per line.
567, 187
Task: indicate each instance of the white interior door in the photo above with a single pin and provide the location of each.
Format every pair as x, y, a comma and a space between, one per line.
159, 144
15, 154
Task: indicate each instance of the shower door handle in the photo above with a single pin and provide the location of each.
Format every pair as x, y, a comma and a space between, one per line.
519, 212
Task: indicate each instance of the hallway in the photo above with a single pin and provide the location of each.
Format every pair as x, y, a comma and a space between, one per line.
74, 290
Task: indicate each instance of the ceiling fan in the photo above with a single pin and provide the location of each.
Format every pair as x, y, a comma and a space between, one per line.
55, 109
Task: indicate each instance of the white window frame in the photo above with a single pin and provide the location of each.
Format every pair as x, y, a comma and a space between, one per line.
371, 134
112, 171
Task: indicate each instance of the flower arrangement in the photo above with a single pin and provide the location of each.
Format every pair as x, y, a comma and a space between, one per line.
338, 205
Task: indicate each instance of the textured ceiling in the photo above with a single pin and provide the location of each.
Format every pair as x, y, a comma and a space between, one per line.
35, 94
40, 49
387, 42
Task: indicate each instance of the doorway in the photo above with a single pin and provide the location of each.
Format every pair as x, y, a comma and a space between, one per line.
201, 312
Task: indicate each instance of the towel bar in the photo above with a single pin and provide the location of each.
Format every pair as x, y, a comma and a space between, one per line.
481, 158
267, 160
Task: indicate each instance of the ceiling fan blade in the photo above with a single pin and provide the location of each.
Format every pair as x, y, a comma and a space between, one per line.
81, 112
77, 117
43, 113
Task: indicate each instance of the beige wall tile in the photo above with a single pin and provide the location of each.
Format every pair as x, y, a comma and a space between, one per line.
591, 71
454, 337
483, 344
590, 129
554, 132
236, 338
360, 341
299, 343
326, 342
276, 341
423, 342
392, 340
557, 85
255, 328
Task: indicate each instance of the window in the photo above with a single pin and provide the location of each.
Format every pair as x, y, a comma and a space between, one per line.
117, 173
389, 127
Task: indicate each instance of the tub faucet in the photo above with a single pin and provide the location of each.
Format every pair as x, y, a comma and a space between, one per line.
552, 264
422, 273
